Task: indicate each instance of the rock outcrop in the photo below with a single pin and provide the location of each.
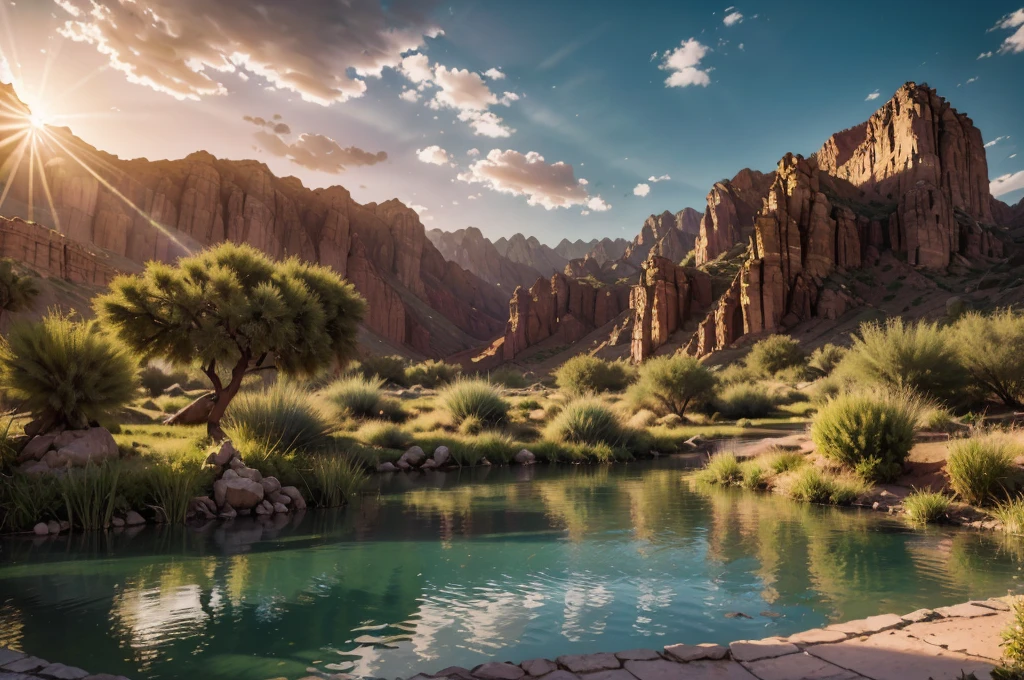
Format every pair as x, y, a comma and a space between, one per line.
666, 297
559, 307
142, 210
531, 253
472, 251
729, 217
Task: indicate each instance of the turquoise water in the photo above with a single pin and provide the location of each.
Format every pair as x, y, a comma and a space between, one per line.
458, 568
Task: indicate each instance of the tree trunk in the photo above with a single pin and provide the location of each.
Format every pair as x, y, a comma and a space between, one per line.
223, 398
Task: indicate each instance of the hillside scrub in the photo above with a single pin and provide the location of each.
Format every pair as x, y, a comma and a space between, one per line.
775, 354
431, 374
868, 433
991, 349
390, 369
981, 468
585, 374
672, 384
744, 401
825, 359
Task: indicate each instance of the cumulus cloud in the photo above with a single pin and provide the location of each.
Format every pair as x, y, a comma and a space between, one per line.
732, 18
494, 74
273, 125
1014, 44
995, 141
873, 96
324, 53
971, 80
1006, 184
985, 55
311, 151
410, 95
460, 89
486, 123
641, 189
549, 185
473, 152
434, 155
660, 178
684, 65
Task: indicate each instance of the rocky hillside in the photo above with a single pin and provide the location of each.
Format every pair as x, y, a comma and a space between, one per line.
475, 253
145, 210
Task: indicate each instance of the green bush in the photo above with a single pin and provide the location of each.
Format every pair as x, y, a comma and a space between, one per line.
356, 397
431, 374
722, 469
497, 447
755, 476
478, 398
587, 421
331, 480
280, 420
926, 506
774, 354
811, 485
991, 349
981, 467
938, 419
387, 368
744, 401
385, 435
870, 433
508, 377
673, 384
737, 372
780, 460
825, 359
919, 356
66, 372
584, 374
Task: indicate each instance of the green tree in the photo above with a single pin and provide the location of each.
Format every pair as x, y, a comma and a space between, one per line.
16, 290
673, 383
232, 310
992, 350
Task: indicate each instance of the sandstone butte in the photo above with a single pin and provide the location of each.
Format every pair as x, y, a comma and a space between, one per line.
417, 299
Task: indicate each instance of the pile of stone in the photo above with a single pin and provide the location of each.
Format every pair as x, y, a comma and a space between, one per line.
242, 490
416, 459
61, 449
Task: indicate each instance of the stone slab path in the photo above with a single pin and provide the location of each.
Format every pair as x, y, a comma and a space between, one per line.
949, 643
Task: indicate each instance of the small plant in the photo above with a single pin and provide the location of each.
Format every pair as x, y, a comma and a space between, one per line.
478, 398
27, 499
755, 476
938, 419
745, 401
587, 421
1013, 645
384, 434
66, 372
722, 469
812, 485
508, 377
471, 425
90, 494
673, 384
282, 419
387, 368
331, 480
825, 359
980, 468
867, 432
1010, 514
775, 354
926, 506
169, 487
585, 374
431, 373
496, 447
744, 423
779, 461
356, 397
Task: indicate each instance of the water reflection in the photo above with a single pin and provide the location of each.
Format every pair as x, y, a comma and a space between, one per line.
457, 568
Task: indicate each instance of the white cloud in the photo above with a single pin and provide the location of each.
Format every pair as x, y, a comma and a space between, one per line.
873, 96
684, 64
416, 67
996, 141
461, 89
1012, 155
507, 98
970, 80
315, 152
660, 178
5, 71
434, 155
984, 55
641, 189
473, 152
1007, 183
182, 48
549, 185
1015, 43
410, 95
741, 46
494, 74
418, 208
486, 124
732, 19
654, 55
584, 212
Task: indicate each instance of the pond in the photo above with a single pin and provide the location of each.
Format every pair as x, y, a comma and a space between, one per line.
460, 568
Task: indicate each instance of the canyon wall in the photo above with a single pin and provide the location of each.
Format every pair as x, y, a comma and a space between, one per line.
666, 297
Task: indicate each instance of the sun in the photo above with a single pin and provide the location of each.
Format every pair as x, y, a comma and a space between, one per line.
37, 121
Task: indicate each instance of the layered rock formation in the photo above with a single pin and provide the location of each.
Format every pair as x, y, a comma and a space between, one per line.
531, 253
666, 297
144, 210
53, 255
472, 251
559, 307
729, 217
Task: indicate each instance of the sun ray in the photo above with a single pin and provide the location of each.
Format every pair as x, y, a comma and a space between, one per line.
31, 178
47, 193
13, 177
23, 132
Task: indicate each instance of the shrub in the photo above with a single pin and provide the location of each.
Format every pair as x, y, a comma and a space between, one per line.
279, 420
431, 373
17, 291
496, 447
981, 466
508, 377
479, 398
585, 374
389, 369
385, 435
90, 494
587, 421
332, 479
755, 476
774, 354
744, 401
66, 372
723, 469
938, 419
779, 461
673, 383
926, 506
357, 397
870, 433
1013, 645
812, 485
734, 373
992, 351
907, 356
825, 359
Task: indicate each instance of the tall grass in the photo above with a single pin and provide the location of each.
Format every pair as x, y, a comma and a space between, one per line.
356, 396
384, 434
1010, 514
980, 468
332, 480
587, 421
27, 499
90, 494
926, 506
282, 419
431, 373
170, 486
466, 398
387, 368
722, 469
811, 485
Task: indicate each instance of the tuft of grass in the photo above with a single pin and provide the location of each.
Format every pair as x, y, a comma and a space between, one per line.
722, 469
1013, 645
90, 494
811, 485
476, 398
1010, 514
168, 485
755, 475
282, 419
384, 434
938, 419
587, 421
508, 377
431, 373
585, 374
356, 396
27, 499
332, 480
981, 467
387, 368
780, 461
872, 433
926, 506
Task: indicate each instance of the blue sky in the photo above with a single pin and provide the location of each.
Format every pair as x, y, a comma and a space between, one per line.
580, 84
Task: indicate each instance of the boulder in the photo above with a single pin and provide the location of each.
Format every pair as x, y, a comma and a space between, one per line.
175, 390
429, 464
279, 497
223, 455
53, 526
196, 413
525, 457
280, 508
442, 455
228, 512
249, 473
387, 467
298, 502
133, 519
414, 457
93, 445
270, 486
34, 468
41, 529
241, 493
36, 447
